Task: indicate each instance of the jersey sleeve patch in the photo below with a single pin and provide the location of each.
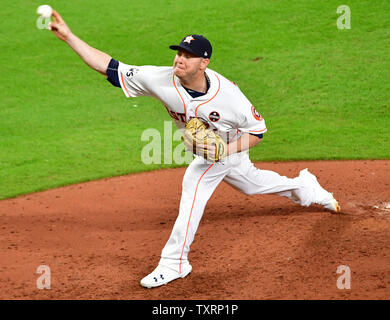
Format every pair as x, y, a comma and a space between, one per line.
256, 115
253, 122
134, 80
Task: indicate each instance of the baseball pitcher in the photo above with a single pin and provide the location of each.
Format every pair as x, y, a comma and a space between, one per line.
219, 126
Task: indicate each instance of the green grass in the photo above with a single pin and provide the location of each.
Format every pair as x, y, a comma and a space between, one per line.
323, 92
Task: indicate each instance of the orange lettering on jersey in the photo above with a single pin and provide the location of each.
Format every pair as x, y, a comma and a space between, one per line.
176, 115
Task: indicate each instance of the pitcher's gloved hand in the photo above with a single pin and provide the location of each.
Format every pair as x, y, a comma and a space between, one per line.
204, 142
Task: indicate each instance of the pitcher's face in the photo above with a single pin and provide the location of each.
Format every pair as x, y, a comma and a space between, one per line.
187, 65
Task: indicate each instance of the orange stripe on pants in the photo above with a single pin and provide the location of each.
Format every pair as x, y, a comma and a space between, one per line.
189, 219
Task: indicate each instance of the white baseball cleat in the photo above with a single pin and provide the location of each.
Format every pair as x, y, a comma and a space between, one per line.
333, 205
322, 196
162, 275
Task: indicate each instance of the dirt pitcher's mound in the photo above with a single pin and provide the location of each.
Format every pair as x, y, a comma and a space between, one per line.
100, 238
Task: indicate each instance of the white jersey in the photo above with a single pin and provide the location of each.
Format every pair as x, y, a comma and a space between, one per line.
224, 107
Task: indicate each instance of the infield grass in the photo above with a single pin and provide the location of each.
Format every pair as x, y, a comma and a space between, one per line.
323, 92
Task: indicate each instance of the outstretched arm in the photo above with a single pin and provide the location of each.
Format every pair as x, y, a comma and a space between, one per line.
94, 58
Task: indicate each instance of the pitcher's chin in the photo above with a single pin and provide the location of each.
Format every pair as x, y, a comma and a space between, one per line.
178, 72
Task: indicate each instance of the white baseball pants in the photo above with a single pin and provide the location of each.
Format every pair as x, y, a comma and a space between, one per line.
201, 179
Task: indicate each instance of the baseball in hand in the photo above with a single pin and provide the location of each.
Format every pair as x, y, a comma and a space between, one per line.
45, 11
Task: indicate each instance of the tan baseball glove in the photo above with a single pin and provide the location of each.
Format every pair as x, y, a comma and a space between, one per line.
204, 142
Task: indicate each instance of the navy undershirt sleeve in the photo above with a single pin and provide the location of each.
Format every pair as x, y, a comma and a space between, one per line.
112, 73
260, 136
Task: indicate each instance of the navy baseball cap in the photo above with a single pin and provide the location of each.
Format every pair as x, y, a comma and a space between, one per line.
195, 44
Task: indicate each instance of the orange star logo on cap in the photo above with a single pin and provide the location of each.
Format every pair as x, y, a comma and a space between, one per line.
188, 39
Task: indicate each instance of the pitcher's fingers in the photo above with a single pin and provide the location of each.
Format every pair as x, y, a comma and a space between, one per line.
56, 16
52, 25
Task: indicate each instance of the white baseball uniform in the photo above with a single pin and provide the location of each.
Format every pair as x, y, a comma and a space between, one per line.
225, 108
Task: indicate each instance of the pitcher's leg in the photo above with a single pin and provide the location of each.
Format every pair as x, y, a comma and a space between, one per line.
250, 180
199, 183
303, 189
